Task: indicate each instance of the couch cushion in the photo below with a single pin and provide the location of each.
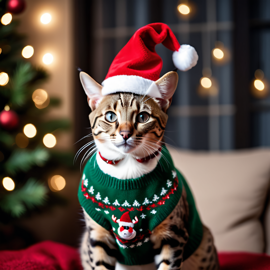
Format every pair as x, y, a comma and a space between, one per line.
230, 189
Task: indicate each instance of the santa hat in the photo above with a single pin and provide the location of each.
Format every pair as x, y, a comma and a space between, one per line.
125, 220
137, 66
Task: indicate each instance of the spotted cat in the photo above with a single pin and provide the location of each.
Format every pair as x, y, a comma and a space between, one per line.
138, 208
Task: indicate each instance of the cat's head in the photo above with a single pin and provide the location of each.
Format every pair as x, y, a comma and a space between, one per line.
126, 123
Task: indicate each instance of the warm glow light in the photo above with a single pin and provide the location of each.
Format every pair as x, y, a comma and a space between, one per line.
57, 183
206, 82
4, 78
8, 183
39, 96
218, 53
183, 9
27, 51
1, 50
49, 140
259, 85
21, 140
47, 59
30, 130
45, 18
6, 19
7, 108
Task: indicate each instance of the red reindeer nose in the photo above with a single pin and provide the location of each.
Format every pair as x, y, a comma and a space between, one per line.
130, 229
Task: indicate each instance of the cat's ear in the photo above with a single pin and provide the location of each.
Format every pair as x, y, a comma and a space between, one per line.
167, 85
92, 90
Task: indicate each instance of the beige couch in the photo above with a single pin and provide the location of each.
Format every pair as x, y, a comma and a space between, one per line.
232, 191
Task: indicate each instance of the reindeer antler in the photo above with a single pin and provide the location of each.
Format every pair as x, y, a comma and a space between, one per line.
114, 218
135, 220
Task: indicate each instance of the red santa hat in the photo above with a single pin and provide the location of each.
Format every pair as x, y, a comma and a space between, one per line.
125, 220
137, 66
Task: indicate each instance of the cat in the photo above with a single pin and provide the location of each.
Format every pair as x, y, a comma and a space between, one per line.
128, 132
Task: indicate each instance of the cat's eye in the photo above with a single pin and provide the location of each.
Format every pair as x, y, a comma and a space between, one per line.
142, 117
110, 117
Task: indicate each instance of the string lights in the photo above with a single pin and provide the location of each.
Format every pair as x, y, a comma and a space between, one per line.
220, 53
6, 19
27, 51
49, 140
8, 183
259, 85
30, 130
57, 183
47, 58
40, 98
45, 18
4, 78
183, 9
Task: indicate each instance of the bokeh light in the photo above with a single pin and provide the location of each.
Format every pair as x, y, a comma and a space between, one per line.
6, 19
39, 96
46, 18
57, 183
30, 130
47, 58
8, 183
49, 140
183, 9
4, 78
27, 51
6, 108
218, 53
206, 82
21, 140
259, 85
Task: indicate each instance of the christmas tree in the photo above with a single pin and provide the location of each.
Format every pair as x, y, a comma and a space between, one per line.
27, 138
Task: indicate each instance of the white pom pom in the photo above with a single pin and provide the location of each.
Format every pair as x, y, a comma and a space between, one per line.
185, 58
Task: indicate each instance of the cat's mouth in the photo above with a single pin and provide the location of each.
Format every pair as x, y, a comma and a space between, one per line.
126, 147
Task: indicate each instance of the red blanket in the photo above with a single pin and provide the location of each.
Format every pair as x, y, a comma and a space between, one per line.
53, 256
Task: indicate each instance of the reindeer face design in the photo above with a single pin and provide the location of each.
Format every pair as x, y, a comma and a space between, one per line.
126, 226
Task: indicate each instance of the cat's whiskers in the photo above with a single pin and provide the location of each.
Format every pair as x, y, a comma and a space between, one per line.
87, 154
81, 149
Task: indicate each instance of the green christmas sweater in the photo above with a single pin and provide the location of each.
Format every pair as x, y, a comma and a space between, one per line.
131, 209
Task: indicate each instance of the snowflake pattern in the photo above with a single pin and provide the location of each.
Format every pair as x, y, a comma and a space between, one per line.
140, 230
98, 197
163, 191
83, 176
85, 182
146, 239
143, 216
139, 244
153, 212
146, 201
106, 212
169, 183
136, 204
91, 190
174, 174
113, 229
155, 198
106, 200
126, 204
98, 209
116, 203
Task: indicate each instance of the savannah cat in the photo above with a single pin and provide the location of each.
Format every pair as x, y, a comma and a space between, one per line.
129, 150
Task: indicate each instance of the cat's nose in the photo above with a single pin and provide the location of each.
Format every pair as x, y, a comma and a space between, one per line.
125, 134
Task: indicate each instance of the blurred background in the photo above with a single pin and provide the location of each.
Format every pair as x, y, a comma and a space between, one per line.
221, 104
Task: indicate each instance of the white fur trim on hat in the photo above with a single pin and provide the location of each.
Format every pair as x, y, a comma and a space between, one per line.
123, 223
132, 84
185, 58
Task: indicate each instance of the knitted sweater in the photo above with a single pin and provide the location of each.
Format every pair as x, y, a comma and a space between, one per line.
132, 208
